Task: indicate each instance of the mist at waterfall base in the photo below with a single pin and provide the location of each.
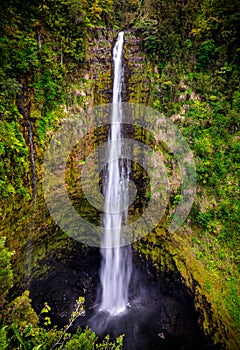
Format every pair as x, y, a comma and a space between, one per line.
161, 313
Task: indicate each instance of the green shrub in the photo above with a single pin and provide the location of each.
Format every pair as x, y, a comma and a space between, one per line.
206, 53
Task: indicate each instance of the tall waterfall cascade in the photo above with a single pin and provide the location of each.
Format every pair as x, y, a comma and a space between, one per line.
116, 265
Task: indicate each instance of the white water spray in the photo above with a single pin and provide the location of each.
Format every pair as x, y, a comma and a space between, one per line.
116, 260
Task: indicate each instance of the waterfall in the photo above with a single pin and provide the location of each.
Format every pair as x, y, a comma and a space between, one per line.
116, 267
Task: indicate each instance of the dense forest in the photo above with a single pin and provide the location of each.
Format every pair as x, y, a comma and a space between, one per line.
191, 73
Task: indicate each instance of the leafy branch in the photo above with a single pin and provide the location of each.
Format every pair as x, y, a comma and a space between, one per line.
78, 311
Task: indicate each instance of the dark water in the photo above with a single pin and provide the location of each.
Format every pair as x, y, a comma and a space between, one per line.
158, 317
161, 313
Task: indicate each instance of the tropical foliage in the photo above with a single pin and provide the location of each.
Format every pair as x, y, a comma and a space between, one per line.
193, 49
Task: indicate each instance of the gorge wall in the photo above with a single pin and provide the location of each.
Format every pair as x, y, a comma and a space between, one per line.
192, 260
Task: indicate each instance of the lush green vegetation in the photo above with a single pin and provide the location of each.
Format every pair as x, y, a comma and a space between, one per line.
196, 83
193, 49
43, 46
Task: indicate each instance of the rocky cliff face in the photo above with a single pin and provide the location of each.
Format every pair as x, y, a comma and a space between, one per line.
49, 255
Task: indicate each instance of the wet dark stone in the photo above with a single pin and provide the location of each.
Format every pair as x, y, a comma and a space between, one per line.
72, 275
161, 313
